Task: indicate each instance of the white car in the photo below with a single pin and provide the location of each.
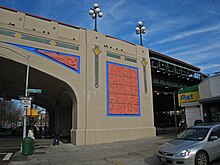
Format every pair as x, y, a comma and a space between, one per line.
197, 145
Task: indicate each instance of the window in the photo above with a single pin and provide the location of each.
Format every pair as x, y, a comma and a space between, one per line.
215, 132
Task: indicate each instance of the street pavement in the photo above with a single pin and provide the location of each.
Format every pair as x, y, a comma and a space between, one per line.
140, 152
135, 152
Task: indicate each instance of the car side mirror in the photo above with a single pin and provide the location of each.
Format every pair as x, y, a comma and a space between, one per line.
212, 138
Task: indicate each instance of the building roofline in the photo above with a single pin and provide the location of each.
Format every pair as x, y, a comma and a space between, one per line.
43, 18
210, 100
119, 39
174, 60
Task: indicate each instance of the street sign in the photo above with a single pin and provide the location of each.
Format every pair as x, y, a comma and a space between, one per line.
26, 103
26, 98
31, 112
34, 90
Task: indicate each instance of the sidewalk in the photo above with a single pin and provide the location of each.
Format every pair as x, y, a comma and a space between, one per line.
140, 152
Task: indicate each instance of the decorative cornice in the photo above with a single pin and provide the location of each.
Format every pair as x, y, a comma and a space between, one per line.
42, 40
122, 57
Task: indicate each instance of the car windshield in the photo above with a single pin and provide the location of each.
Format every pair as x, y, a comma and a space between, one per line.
197, 134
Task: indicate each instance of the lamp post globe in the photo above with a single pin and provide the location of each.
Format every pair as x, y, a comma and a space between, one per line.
140, 23
100, 14
137, 30
95, 5
140, 29
95, 12
91, 12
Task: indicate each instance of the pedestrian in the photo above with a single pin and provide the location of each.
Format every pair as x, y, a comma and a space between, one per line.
182, 125
40, 131
34, 128
31, 134
57, 132
45, 131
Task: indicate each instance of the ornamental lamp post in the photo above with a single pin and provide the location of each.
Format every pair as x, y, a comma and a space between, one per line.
95, 12
140, 29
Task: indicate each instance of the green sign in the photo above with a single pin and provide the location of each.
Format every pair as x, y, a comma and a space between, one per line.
34, 90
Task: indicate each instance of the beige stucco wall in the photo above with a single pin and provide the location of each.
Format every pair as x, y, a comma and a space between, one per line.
102, 128
210, 87
93, 125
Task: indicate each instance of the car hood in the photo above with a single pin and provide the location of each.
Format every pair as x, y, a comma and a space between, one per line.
176, 145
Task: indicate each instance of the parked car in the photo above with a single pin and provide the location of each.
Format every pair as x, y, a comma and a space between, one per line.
1, 128
197, 122
19, 130
197, 145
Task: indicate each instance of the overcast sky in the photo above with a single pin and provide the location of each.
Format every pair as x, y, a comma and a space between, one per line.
188, 30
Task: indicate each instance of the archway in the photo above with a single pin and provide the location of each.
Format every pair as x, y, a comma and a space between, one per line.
54, 91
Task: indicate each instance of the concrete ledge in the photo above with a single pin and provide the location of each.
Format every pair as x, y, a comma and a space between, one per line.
98, 136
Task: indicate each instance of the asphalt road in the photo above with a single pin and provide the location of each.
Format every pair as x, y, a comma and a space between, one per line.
8, 146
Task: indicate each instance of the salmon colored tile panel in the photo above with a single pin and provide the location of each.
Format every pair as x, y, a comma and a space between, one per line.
130, 109
121, 89
121, 109
70, 61
120, 70
134, 99
115, 69
110, 108
124, 80
113, 108
112, 79
134, 82
113, 98
134, 91
133, 73
135, 109
127, 81
127, 108
120, 80
113, 88
112, 69
121, 99
127, 90
126, 72
127, 99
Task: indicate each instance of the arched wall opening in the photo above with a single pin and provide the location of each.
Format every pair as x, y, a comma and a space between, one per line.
57, 97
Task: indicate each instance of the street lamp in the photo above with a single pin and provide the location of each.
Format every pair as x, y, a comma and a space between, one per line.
95, 12
140, 29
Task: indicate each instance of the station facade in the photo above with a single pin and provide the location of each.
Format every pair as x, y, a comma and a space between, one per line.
96, 87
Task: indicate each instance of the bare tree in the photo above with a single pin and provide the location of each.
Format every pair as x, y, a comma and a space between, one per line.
10, 112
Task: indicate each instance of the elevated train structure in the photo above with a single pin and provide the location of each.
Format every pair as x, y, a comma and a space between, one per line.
168, 76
